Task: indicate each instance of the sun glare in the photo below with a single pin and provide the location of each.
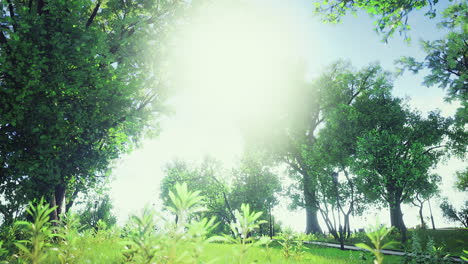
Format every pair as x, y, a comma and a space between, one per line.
237, 58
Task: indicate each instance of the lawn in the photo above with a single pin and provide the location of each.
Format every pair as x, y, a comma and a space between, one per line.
453, 241
227, 253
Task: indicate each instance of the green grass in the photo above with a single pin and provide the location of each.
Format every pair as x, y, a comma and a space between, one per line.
226, 253
453, 241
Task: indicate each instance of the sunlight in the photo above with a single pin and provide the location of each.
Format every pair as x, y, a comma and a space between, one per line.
238, 63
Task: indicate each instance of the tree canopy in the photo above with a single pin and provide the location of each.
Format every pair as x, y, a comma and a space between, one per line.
78, 85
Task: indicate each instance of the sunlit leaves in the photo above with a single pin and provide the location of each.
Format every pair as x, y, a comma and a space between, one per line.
392, 16
446, 58
76, 90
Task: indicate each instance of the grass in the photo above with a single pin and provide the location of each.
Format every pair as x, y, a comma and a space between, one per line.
226, 253
453, 241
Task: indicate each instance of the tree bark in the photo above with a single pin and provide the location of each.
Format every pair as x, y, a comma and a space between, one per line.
60, 198
52, 203
312, 225
430, 210
396, 219
347, 228
310, 198
423, 224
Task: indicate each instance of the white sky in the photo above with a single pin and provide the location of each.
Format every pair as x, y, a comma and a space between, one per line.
198, 129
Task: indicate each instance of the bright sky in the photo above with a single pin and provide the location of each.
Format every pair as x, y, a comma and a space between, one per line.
207, 109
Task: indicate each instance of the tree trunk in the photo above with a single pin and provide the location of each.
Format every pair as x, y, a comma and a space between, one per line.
331, 228
312, 224
396, 219
71, 200
270, 224
423, 224
52, 203
430, 210
60, 198
347, 226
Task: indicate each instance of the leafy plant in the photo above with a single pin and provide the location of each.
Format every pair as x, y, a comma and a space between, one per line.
436, 254
376, 235
465, 258
286, 241
141, 247
417, 254
185, 203
68, 230
34, 249
245, 223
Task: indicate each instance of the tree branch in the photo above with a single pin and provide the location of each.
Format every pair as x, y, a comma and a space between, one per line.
3, 39
93, 15
435, 147
12, 13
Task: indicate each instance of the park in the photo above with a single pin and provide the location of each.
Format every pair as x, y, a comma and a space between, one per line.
233, 131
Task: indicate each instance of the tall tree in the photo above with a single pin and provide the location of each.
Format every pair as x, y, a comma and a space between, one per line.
394, 155
294, 134
79, 82
256, 184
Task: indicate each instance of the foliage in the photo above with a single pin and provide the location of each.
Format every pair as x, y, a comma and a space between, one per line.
286, 241
185, 203
446, 58
294, 141
395, 151
208, 178
40, 233
95, 210
453, 214
376, 235
255, 183
164, 245
246, 222
464, 257
80, 82
313, 254
431, 254
392, 15
292, 244
462, 180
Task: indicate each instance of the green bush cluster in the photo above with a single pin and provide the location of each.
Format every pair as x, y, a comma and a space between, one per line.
147, 238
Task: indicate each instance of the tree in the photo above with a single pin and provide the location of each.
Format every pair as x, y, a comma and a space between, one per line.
79, 83
392, 15
447, 59
454, 215
423, 194
462, 180
394, 155
209, 179
95, 210
255, 183
291, 134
